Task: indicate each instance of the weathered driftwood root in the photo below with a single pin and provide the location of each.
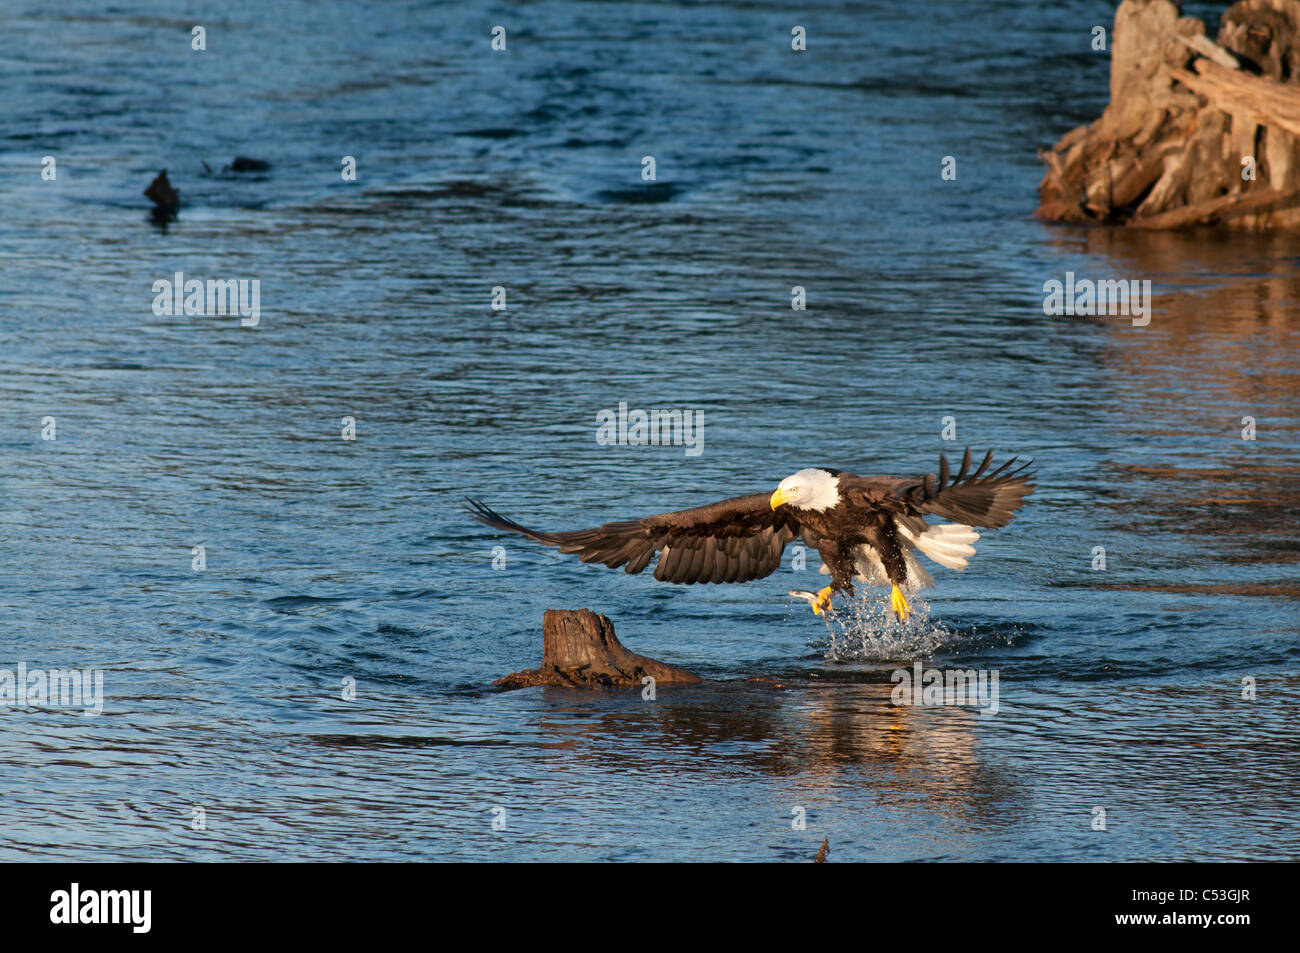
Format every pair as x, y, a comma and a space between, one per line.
1196, 131
579, 649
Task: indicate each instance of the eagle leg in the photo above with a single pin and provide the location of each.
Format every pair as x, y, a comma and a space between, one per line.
823, 603
898, 604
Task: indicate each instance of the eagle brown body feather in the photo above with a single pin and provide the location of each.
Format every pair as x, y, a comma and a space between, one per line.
742, 538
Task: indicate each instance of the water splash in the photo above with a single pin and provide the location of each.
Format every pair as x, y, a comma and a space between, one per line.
866, 629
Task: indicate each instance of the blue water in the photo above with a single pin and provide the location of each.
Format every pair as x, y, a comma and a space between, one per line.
330, 560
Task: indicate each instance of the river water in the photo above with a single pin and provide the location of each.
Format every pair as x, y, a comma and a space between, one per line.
319, 690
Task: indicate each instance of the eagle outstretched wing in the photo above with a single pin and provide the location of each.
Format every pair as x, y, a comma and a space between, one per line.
732, 540
981, 499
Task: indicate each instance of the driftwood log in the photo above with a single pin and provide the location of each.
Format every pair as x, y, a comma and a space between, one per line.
1197, 131
579, 649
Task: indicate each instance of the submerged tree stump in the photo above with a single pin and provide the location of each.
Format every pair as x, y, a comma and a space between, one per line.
1197, 131
166, 200
579, 649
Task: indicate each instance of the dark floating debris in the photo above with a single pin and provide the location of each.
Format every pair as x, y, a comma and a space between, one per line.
823, 851
245, 164
641, 194
490, 133
166, 200
240, 165
580, 650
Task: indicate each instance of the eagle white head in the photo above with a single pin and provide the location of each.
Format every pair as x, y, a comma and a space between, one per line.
810, 489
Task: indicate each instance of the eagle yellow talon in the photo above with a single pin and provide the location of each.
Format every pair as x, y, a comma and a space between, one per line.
899, 604
823, 603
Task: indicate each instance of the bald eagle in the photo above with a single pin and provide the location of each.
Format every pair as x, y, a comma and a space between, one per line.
865, 528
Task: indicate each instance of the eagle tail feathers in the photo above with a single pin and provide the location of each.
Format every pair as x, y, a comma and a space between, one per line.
948, 544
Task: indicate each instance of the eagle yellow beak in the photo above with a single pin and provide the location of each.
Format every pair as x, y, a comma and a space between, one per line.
779, 497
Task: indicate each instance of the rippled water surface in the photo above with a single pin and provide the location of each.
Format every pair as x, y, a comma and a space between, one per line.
329, 560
